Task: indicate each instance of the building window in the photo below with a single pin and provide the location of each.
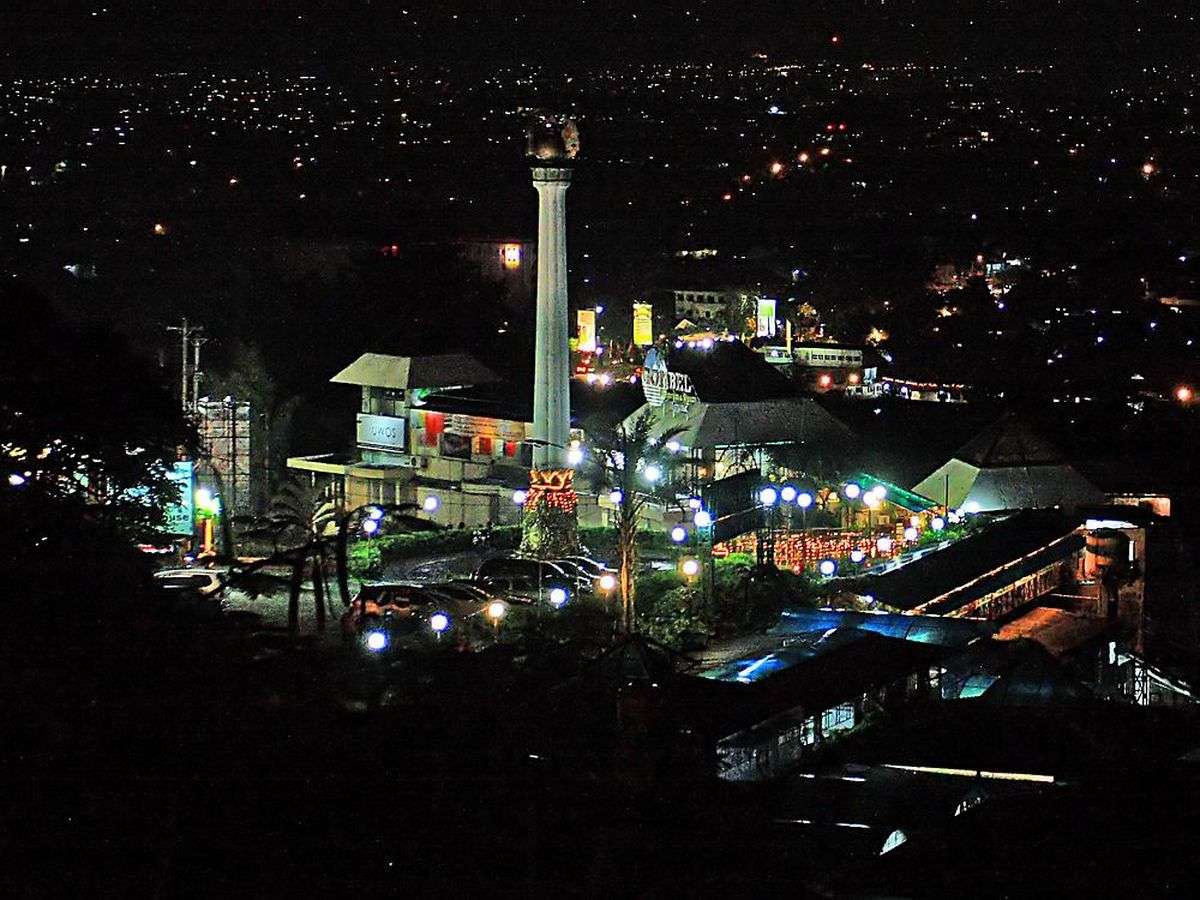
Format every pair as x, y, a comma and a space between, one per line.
839, 718
484, 447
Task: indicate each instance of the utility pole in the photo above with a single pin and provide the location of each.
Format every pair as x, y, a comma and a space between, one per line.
189, 336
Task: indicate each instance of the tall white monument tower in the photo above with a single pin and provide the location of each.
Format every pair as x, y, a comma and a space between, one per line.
553, 146
550, 528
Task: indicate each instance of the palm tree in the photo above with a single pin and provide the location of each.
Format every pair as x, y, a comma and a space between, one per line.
624, 454
300, 523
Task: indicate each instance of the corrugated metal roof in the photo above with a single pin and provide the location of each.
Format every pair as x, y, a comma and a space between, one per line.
403, 372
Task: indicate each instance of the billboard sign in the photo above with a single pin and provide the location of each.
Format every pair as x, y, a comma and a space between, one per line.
643, 324
586, 320
181, 512
766, 317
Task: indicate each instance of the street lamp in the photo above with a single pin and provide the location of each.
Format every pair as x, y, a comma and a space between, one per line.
768, 496
370, 526
857, 556
615, 497
852, 490
702, 519
608, 583
440, 623
679, 534
376, 641
937, 523
910, 533
827, 567
519, 497
558, 597
690, 567
787, 494
652, 473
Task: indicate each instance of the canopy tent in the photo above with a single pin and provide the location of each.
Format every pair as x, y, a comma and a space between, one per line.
1008, 467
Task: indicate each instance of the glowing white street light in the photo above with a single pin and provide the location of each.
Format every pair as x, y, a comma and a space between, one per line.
702, 519
679, 534
558, 597
652, 473
971, 507
691, 567
910, 533
439, 622
884, 545
857, 556
370, 526
852, 490
937, 523
827, 567
804, 500
375, 513
674, 446
787, 494
376, 641
496, 610
16, 479
767, 496
519, 497
430, 503
575, 456
608, 582
615, 497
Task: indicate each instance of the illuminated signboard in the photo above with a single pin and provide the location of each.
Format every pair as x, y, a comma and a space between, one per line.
181, 512
386, 432
766, 317
643, 324
662, 386
586, 320
510, 255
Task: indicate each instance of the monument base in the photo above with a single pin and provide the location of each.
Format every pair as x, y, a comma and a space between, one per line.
550, 527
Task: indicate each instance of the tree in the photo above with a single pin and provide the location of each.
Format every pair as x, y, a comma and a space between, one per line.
89, 434
302, 520
625, 455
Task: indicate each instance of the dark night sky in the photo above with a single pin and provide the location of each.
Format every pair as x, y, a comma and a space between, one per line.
107, 34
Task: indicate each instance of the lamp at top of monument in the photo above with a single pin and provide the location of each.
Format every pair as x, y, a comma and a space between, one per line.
552, 139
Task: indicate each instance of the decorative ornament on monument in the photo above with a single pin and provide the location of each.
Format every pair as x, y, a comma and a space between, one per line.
549, 529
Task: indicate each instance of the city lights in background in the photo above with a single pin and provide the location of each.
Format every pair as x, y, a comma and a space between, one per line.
937, 523
910, 533
575, 455
857, 556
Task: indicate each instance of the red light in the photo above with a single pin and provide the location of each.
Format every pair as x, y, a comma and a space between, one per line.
836, 39
727, 197
829, 127
824, 381
1184, 394
841, 126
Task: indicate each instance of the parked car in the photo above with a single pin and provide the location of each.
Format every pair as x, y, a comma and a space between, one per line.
203, 583
525, 579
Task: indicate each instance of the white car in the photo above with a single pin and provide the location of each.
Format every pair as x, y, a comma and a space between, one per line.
201, 582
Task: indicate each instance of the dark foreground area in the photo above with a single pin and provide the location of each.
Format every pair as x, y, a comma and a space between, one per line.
147, 757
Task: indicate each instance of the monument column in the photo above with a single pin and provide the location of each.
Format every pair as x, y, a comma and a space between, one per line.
551, 392
549, 526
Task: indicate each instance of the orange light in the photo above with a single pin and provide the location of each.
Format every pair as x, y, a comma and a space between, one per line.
1148, 168
776, 168
853, 379
824, 381
803, 157
727, 197
824, 151
1184, 394
160, 229
835, 39
511, 255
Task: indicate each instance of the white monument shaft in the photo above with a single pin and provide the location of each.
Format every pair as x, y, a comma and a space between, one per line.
551, 393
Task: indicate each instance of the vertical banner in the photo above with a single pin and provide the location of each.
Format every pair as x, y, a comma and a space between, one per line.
181, 512
643, 324
766, 317
586, 321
